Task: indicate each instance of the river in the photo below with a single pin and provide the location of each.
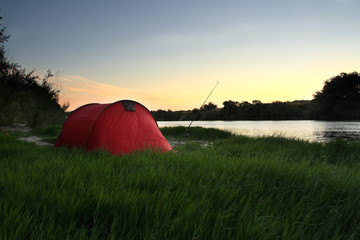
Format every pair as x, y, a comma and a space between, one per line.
313, 131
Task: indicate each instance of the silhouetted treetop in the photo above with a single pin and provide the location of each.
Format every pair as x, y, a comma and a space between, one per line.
24, 96
208, 107
3, 37
340, 97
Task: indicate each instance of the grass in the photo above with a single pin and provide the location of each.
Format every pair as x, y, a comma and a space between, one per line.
49, 134
236, 188
195, 133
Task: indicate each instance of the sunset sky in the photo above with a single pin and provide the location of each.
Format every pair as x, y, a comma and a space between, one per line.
169, 54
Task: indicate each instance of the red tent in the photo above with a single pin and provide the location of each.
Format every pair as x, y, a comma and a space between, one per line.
120, 127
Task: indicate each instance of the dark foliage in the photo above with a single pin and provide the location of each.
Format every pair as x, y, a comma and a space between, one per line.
340, 98
208, 107
25, 97
233, 110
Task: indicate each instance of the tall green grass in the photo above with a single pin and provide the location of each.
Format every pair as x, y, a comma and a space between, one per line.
49, 133
236, 188
197, 133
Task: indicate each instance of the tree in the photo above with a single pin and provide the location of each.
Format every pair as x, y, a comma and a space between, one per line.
25, 97
256, 102
208, 107
3, 36
4, 64
340, 98
231, 106
230, 110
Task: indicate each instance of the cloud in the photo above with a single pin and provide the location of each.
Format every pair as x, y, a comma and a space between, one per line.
80, 85
78, 91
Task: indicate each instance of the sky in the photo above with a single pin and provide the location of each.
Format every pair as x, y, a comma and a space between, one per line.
169, 54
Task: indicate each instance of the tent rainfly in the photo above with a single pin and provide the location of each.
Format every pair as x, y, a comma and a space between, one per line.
120, 128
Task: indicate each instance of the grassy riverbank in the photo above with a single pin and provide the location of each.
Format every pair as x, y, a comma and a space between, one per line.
235, 188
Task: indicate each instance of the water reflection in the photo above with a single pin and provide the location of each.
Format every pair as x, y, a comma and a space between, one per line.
336, 130
314, 131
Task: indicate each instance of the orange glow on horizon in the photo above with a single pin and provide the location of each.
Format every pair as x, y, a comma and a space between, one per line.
186, 94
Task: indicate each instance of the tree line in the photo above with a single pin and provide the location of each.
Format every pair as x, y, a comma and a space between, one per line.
339, 99
24, 96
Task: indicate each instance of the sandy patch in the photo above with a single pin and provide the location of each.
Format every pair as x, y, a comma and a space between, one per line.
37, 140
174, 143
24, 129
19, 127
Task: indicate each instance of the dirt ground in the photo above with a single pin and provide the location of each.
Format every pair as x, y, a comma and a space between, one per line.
24, 129
182, 142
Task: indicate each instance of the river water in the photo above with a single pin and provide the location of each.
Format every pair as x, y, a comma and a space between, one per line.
313, 131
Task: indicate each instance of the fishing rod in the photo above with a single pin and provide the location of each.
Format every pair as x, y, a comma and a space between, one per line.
187, 130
